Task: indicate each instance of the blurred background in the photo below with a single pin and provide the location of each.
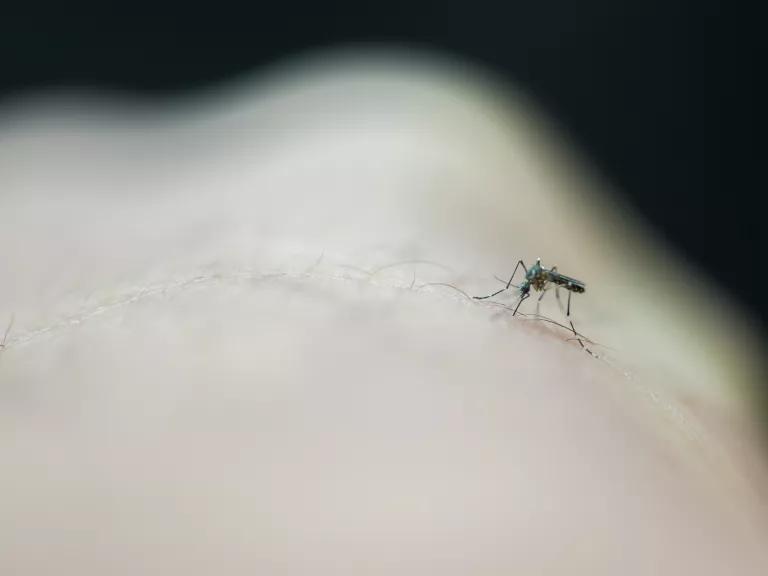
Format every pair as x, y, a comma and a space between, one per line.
658, 94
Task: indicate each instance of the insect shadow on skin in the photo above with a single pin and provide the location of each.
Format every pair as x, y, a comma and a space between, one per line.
542, 279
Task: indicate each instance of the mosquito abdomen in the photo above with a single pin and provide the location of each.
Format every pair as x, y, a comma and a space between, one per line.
568, 283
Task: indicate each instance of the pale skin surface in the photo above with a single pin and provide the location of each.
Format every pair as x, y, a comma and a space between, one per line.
233, 353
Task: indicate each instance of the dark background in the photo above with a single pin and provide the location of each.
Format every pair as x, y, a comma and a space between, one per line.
660, 94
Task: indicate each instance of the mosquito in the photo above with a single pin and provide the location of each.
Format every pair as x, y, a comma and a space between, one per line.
541, 279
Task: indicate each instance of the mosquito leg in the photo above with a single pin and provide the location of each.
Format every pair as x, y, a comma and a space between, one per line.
573, 328
568, 314
559, 300
519, 263
538, 302
576, 334
489, 295
553, 273
520, 302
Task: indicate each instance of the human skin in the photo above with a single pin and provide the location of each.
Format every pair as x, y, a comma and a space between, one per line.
241, 344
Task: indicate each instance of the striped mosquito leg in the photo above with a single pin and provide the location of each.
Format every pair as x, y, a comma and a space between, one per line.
568, 314
577, 334
490, 295
573, 328
519, 263
520, 302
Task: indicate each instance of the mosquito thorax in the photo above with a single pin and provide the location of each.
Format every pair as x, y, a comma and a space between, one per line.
534, 271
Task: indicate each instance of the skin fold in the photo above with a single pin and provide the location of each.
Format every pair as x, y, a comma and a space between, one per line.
244, 342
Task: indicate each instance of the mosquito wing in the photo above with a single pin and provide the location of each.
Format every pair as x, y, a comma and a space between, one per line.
567, 282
